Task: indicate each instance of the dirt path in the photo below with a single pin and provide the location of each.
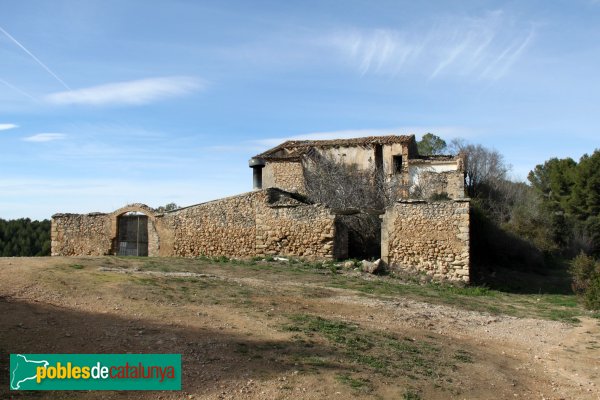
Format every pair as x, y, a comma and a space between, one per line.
254, 337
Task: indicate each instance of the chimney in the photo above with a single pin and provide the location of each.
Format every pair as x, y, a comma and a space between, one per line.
257, 164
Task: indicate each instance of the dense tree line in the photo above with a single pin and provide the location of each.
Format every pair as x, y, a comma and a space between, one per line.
24, 238
569, 192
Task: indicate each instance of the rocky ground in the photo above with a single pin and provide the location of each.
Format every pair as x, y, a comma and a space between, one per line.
273, 330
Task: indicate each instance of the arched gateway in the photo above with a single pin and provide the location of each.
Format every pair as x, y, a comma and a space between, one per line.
133, 231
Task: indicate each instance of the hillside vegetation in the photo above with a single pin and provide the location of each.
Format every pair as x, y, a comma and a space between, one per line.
24, 238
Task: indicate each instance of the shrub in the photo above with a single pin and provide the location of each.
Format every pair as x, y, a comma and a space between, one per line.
592, 294
585, 271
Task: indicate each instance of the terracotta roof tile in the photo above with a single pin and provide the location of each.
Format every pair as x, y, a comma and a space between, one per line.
294, 149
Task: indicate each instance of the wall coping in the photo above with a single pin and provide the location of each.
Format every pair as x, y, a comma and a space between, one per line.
419, 201
92, 214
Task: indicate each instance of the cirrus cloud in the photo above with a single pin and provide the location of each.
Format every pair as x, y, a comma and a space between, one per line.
484, 47
136, 92
45, 137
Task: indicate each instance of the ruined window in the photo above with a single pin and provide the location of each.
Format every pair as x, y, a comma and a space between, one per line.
397, 164
378, 157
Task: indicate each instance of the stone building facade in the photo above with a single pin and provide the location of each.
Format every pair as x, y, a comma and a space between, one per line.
431, 237
395, 158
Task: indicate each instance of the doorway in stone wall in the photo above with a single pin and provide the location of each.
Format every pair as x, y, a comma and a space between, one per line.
364, 235
132, 234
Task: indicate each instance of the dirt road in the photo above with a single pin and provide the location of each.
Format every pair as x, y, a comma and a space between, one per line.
264, 332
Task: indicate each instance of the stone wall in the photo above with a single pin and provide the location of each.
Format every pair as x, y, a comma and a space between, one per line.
286, 227
224, 227
417, 236
428, 237
81, 234
286, 175
449, 182
455, 184
260, 223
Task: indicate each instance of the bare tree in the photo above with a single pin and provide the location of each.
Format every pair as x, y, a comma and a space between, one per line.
347, 187
358, 195
483, 166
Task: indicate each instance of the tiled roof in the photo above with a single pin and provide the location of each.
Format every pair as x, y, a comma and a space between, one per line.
294, 149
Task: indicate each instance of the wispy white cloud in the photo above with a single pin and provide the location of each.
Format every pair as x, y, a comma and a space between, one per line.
16, 89
45, 137
37, 60
5, 127
505, 60
379, 50
484, 47
136, 92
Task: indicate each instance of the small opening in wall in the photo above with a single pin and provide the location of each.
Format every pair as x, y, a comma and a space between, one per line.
397, 164
379, 157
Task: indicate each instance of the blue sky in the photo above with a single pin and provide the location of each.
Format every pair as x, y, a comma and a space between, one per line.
105, 103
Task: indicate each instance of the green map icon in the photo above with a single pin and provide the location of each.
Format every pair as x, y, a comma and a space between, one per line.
23, 369
129, 371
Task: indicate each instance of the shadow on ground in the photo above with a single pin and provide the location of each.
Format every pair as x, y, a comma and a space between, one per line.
210, 357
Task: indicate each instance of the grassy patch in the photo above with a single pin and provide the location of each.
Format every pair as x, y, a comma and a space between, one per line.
411, 395
463, 356
77, 266
469, 291
358, 384
146, 281
319, 276
556, 307
382, 353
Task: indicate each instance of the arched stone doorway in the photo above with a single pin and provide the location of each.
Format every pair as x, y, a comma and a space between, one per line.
133, 231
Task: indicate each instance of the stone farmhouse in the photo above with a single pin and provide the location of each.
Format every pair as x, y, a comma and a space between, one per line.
394, 157
277, 218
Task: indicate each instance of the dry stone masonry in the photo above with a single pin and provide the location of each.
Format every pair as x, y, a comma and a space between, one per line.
288, 175
428, 237
224, 227
80, 235
260, 223
449, 182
